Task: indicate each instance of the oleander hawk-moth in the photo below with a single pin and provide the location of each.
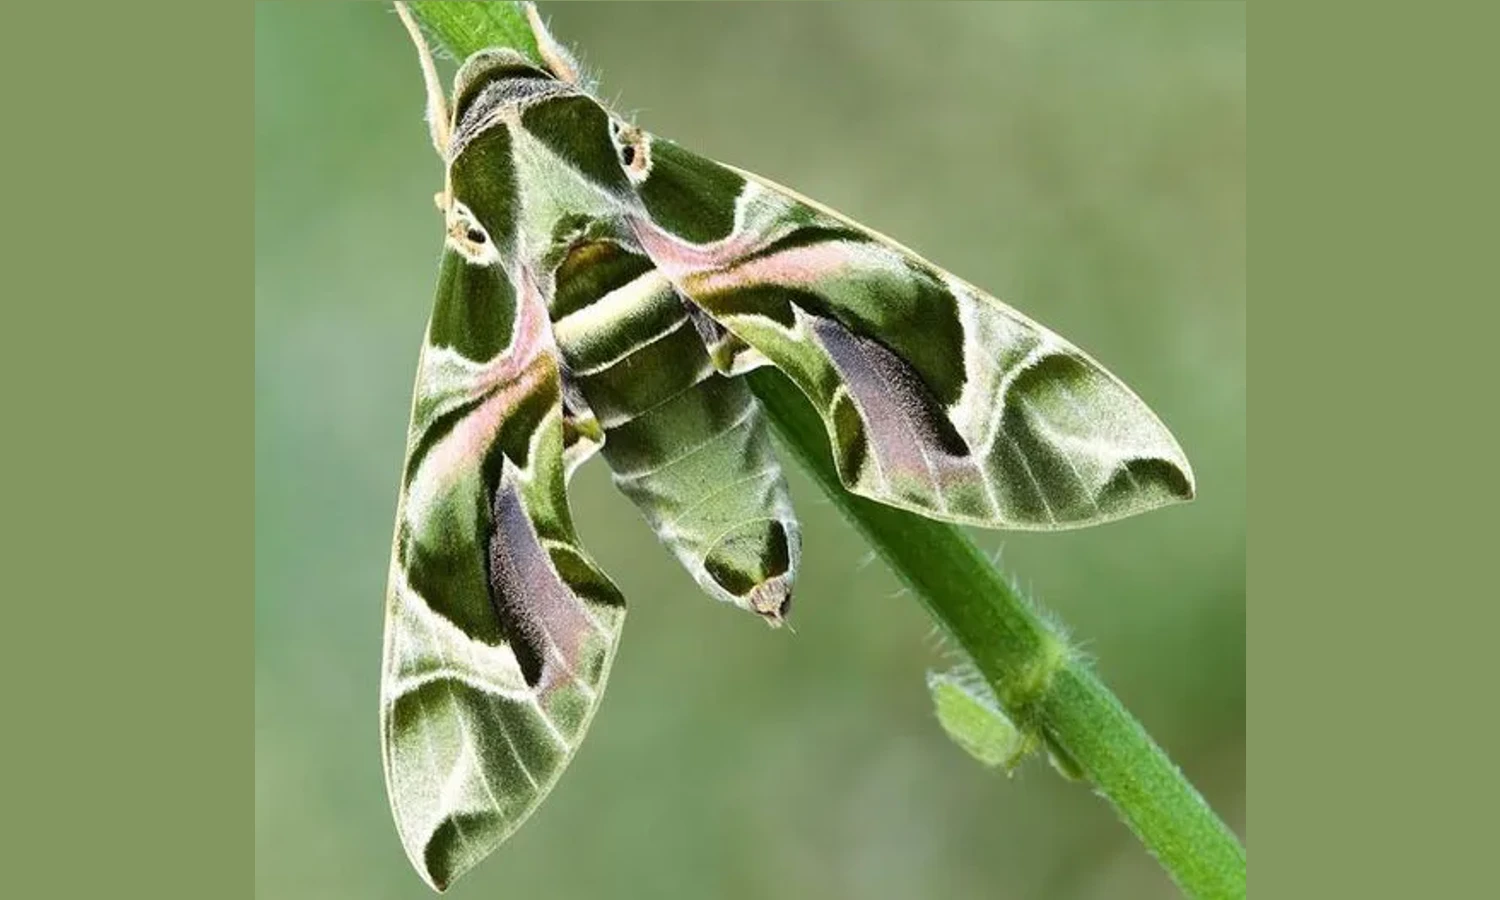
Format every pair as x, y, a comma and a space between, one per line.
600, 289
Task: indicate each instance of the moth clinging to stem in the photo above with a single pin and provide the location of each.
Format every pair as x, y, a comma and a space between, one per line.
600, 290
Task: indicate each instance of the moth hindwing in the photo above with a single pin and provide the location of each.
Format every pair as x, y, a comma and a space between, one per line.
600, 290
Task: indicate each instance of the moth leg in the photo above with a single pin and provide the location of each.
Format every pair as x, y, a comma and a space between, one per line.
730, 354
582, 433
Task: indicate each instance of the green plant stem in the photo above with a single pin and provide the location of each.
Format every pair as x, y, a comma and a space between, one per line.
1039, 682
1042, 685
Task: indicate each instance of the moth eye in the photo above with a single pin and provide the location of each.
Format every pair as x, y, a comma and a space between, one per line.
467, 236
634, 146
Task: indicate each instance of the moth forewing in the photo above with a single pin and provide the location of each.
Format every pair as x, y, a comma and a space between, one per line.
499, 629
938, 398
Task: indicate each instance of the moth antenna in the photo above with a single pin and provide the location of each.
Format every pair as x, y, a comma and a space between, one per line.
558, 59
439, 124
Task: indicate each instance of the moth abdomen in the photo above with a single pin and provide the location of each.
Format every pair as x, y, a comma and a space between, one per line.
702, 470
753, 560
686, 444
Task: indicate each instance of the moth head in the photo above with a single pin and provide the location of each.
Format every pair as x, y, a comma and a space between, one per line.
632, 148
486, 66
467, 235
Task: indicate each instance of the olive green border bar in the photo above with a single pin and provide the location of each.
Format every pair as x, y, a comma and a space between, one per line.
1372, 211
127, 357
128, 621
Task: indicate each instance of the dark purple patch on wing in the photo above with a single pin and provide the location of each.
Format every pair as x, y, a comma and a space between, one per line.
907, 432
542, 618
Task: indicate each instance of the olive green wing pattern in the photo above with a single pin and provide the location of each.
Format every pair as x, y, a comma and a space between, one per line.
499, 629
937, 397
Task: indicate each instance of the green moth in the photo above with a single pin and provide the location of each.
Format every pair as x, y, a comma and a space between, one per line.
599, 291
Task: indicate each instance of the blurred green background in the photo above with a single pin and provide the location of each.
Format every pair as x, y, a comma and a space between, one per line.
1084, 162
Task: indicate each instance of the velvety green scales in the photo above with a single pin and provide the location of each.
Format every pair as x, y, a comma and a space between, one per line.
484, 175
688, 198
476, 309
673, 363
577, 129
590, 271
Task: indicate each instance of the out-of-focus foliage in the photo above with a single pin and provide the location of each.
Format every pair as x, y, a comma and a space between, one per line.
1084, 162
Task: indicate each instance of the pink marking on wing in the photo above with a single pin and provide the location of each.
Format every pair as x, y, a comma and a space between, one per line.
549, 615
678, 258
469, 439
511, 376
533, 337
795, 267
